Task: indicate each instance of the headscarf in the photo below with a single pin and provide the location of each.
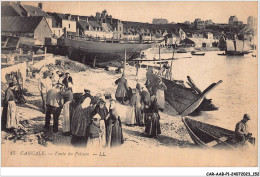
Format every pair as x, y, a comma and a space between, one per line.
86, 103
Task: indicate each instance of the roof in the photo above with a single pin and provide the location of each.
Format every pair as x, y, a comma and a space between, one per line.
35, 11
83, 24
187, 41
94, 24
14, 9
20, 24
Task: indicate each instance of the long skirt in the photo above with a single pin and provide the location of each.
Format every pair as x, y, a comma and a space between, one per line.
12, 118
152, 126
115, 135
66, 117
130, 115
103, 133
160, 98
138, 115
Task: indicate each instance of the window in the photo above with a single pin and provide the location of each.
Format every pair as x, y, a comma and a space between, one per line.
119, 28
69, 25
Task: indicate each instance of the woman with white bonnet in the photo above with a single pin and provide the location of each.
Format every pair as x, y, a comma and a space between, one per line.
79, 123
114, 127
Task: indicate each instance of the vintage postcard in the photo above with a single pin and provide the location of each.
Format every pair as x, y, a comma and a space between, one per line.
129, 84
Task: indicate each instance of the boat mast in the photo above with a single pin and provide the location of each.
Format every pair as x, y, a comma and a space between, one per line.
124, 63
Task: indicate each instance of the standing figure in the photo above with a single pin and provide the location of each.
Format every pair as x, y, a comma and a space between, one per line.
152, 126
67, 97
80, 122
54, 102
9, 114
146, 102
122, 88
44, 85
67, 79
102, 111
114, 127
241, 131
136, 103
161, 87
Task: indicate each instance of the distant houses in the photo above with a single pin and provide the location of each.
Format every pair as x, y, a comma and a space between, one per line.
160, 21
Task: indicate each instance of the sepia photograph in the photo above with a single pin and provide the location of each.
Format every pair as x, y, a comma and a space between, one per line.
129, 84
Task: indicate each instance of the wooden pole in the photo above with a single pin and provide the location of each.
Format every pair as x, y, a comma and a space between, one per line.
94, 63
160, 55
124, 62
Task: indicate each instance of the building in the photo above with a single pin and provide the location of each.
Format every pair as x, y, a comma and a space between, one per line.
199, 24
131, 34
209, 35
209, 22
238, 23
160, 21
63, 24
20, 10
187, 22
29, 27
116, 24
197, 35
232, 20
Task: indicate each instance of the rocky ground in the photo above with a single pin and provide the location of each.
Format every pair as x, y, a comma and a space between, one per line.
32, 119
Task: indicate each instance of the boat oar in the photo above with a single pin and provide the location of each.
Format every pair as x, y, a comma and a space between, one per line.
216, 138
206, 91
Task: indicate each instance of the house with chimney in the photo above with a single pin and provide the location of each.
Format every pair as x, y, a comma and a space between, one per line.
12, 8
115, 24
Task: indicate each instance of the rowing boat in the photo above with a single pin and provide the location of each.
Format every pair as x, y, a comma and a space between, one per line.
211, 136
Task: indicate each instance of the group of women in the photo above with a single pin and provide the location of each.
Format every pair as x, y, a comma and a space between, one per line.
93, 125
145, 103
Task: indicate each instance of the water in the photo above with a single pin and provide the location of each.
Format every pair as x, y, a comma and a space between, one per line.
234, 97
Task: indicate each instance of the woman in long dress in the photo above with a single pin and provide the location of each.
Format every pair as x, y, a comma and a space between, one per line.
79, 123
114, 127
9, 114
161, 87
68, 97
152, 127
102, 111
135, 102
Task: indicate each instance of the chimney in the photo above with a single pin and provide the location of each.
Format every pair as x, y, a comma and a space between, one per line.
68, 16
40, 5
77, 18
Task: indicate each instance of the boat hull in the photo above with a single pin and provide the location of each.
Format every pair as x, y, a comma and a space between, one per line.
184, 100
102, 51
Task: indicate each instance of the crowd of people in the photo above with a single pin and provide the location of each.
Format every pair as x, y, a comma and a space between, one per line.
87, 119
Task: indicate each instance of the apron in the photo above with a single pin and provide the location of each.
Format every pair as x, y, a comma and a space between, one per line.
130, 115
160, 98
66, 117
12, 118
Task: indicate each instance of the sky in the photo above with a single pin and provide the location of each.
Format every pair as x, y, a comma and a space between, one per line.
145, 11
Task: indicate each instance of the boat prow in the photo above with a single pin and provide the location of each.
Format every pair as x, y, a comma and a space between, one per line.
185, 100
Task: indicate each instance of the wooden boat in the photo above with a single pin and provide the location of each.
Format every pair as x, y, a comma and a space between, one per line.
181, 51
235, 48
199, 54
206, 135
103, 51
183, 99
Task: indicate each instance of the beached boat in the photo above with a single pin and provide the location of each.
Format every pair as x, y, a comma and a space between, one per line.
206, 135
196, 53
87, 50
183, 99
181, 51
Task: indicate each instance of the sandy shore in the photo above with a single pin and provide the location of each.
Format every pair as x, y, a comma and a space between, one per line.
173, 147
97, 81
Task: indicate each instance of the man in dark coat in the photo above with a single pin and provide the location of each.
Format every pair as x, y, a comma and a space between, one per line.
67, 80
122, 89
